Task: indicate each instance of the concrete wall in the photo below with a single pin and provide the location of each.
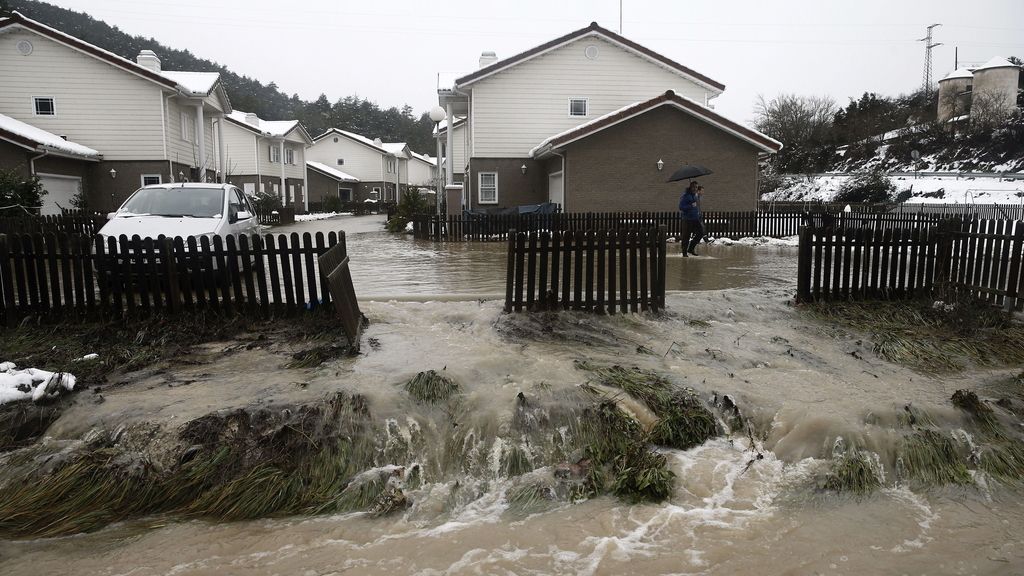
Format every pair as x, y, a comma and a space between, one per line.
995, 87
615, 170
953, 98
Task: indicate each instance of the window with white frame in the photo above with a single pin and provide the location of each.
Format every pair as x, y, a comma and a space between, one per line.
345, 194
487, 189
188, 126
151, 179
375, 193
579, 106
391, 165
341, 161
289, 156
275, 154
44, 106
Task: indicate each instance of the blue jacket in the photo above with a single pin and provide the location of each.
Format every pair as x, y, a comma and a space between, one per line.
689, 207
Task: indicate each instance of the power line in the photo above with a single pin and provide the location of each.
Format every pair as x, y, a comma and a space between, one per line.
928, 45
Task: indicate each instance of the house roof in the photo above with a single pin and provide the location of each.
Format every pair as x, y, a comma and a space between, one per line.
425, 158
331, 172
192, 83
375, 144
32, 138
996, 62
443, 126
271, 128
593, 30
669, 98
397, 148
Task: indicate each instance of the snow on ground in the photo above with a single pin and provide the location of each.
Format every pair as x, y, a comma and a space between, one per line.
31, 383
319, 216
757, 241
930, 189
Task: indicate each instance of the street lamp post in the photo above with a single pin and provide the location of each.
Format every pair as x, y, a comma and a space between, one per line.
437, 114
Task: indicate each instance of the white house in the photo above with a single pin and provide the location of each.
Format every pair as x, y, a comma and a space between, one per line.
422, 170
644, 112
147, 125
380, 167
267, 155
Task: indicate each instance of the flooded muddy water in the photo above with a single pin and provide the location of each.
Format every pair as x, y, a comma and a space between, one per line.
397, 266
742, 503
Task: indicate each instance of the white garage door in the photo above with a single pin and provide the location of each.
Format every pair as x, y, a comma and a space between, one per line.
60, 190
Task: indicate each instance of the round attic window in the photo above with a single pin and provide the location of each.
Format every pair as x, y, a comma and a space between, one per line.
591, 52
335, 138
24, 47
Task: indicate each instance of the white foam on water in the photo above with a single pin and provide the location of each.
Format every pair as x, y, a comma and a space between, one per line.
925, 517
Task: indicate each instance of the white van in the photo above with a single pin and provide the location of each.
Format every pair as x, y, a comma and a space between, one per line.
185, 209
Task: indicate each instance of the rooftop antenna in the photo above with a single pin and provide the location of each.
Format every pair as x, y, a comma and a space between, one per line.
620, 17
928, 45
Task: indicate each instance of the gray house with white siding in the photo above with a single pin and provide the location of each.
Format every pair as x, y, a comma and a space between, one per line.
268, 156
518, 143
148, 125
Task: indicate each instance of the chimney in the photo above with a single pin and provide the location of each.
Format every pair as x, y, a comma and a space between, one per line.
252, 119
487, 58
377, 142
148, 60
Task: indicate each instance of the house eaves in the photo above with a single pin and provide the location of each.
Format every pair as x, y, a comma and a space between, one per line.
593, 30
669, 98
353, 137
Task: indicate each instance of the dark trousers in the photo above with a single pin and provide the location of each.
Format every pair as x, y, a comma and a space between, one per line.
694, 234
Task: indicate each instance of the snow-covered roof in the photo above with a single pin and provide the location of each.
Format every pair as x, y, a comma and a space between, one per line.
28, 135
395, 148
959, 73
278, 128
683, 103
425, 158
996, 62
194, 82
375, 144
456, 122
332, 172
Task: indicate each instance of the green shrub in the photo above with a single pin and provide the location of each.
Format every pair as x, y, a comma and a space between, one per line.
16, 189
872, 186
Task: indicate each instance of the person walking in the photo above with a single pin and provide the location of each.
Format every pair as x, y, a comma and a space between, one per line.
689, 205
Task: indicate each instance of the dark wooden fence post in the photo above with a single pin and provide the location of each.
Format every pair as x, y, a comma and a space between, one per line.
803, 275
1014, 279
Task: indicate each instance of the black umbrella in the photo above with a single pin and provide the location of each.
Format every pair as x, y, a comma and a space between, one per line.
689, 171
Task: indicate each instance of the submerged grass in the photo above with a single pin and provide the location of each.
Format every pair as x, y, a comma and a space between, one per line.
930, 458
231, 466
928, 338
854, 472
430, 387
683, 421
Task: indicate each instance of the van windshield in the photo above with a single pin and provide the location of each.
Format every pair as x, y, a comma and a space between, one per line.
175, 202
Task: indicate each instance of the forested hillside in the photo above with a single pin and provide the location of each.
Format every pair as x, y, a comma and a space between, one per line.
249, 94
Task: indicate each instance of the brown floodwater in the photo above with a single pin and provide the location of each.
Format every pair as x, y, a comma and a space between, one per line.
809, 387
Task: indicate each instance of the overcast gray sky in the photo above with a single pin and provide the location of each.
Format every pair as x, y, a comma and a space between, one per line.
390, 51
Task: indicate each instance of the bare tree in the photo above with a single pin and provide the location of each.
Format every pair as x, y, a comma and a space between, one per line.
801, 123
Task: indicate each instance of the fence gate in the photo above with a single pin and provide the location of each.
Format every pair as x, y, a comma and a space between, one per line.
600, 271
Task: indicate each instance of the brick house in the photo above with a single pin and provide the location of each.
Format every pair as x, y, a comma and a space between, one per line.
594, 122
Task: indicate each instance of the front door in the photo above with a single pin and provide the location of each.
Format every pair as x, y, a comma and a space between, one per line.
556, 189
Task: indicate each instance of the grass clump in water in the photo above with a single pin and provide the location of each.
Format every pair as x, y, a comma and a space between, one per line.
642, 475
431, 387
931, 459
932, 338
515, 462
683, 421
981, 413
853, 472
530, 497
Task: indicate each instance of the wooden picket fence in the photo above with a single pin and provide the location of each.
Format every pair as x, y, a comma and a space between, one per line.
601, 271
277, 217
981, 211
83, 223
64, 275
981, 258
735, 225
335, 274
